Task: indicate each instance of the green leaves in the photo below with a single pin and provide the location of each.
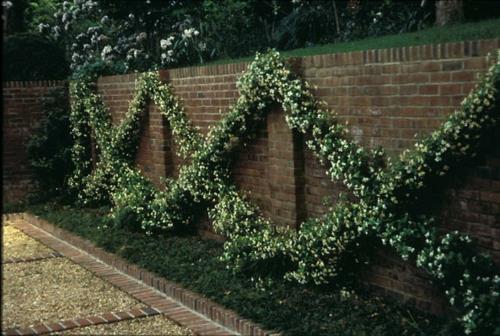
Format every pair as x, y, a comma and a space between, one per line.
49, 148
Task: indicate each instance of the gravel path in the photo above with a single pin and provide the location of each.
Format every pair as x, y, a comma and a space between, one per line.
56, 289
155, 325
16, 244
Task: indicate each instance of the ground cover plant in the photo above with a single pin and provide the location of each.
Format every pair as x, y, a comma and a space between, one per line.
294, 309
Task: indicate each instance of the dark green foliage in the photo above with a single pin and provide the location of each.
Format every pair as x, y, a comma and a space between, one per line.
13, 207
224, 23
293, 309
126, 219
49, 149
29, 56
40, 12
236, 28
98, 68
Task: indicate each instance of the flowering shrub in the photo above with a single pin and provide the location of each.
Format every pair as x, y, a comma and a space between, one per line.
133, 44
184, 44
388, 193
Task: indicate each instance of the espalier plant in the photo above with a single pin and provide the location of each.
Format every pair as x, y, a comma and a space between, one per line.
388, 193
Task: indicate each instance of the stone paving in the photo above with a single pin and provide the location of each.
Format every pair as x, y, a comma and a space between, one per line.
139, 304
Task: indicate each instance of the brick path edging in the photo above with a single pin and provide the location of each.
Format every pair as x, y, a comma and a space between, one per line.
201, 305
34, 258
151, 297
43, 328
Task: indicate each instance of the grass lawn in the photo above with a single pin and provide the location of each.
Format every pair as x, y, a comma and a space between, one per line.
293, 309
459, 32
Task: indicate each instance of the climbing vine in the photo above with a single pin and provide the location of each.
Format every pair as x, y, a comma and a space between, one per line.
387, 193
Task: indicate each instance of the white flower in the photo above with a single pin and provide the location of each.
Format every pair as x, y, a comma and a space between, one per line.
42, 27
6, 4
131, 16
91, 4
75, 57
92, 30
102, 38
188, 33
164, 44
104, 20
141, 37
106, 51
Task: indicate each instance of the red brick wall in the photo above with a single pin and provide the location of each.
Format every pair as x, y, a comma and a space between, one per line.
472, 205
387, 96
21, 114
155, 153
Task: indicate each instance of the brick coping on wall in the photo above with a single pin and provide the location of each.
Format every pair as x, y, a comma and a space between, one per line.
193, 301
422, 52
39, 83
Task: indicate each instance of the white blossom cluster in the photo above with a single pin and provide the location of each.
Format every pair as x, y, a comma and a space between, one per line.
7, 5
183, 43
124, 45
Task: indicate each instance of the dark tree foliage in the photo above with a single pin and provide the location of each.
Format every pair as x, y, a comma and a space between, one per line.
29, 56
476, 10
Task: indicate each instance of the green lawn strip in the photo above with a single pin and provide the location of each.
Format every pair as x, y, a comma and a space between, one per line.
460, 32
294, 309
